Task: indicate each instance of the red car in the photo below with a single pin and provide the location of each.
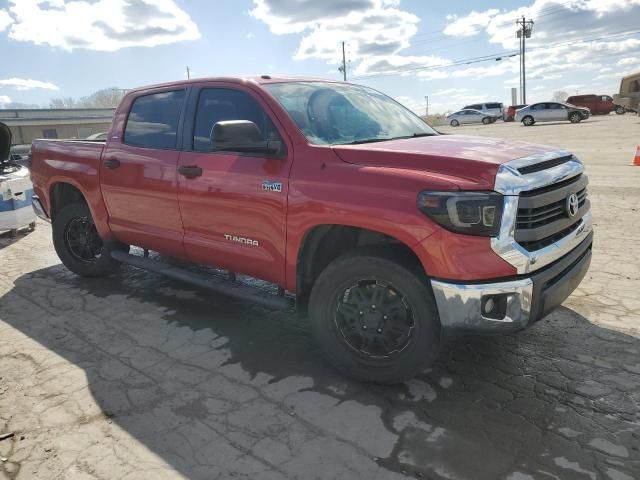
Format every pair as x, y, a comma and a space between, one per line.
598, 104
510, 115
390, 235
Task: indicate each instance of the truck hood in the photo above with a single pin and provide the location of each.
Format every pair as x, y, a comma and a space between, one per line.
474, 161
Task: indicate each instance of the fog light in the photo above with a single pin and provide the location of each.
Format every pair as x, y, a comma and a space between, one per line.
494, 306
488, 306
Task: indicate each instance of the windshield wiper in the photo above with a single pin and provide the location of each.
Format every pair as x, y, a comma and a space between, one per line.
415, 135
366, 140
386, 139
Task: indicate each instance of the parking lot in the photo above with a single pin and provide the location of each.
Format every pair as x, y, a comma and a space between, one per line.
136, 376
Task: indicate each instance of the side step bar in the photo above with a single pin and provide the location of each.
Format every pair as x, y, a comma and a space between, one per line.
210, 282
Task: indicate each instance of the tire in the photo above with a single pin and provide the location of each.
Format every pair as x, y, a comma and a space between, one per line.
455, 123
575, 117
620, 110
71, 225
406, 306
486, 120
528, 121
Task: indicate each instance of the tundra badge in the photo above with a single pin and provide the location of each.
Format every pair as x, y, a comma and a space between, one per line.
243, 240
270, 186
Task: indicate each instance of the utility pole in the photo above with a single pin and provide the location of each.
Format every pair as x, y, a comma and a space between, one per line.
343, 68
524, 31
188, 72
426, 97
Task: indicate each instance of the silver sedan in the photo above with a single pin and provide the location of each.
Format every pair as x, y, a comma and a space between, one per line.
551, 112
469, 115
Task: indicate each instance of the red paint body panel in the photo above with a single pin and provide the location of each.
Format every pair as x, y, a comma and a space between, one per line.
146, 202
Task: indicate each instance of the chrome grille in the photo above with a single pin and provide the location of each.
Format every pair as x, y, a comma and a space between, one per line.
542, 216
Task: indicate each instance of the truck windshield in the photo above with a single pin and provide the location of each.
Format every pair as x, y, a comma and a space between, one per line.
340, 114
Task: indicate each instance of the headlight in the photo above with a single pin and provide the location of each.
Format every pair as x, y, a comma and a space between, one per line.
472, 213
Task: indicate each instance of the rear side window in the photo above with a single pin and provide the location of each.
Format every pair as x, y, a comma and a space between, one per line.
153, 120
494, 105
221, 104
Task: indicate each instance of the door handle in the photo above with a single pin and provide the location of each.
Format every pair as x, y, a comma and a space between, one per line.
112, 163
190, 171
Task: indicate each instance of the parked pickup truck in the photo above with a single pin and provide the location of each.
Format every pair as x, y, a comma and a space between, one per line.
388, 235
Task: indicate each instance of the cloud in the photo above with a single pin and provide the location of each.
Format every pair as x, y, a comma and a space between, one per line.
397, 63
105, 25
555, 20
4, 100
375, 31
470, 24
5, 20
629, 61
27, 84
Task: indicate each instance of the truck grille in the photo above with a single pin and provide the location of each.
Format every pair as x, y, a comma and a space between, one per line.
542, 217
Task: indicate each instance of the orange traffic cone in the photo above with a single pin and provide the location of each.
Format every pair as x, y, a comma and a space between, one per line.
636, 159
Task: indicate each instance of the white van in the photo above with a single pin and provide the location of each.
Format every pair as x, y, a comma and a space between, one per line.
494, 109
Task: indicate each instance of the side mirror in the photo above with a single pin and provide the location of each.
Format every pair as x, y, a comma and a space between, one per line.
241, 136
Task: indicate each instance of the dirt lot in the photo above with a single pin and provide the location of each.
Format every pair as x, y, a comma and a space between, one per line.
140, 377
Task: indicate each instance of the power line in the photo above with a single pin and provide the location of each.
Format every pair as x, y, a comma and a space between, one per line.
465, 61
495, 56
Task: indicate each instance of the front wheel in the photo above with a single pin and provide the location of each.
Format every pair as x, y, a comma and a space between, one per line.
486, 120
78, 244
575, 118
374, 318
620, 110
528, 121
455, 123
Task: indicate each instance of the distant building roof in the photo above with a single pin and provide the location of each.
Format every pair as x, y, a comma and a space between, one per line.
55, 116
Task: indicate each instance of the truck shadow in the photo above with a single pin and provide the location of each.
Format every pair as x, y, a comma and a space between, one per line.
167, 362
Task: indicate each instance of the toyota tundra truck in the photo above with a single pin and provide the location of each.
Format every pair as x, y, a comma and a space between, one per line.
386, 234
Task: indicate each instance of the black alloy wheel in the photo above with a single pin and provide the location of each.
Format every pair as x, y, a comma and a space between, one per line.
375, 319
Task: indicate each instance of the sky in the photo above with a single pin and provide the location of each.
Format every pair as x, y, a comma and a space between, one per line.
455, 52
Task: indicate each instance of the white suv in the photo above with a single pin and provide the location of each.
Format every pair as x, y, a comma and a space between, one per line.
495, 109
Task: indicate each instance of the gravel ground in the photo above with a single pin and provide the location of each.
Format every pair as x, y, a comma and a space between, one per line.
136, 376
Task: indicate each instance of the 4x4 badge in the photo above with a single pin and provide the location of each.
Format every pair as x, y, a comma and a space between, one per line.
270, 186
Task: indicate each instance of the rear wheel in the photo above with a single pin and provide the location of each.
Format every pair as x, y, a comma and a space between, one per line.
528, 121
620, 110
575, 117
78, 244
374, 318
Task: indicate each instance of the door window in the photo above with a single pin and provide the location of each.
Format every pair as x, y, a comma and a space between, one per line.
50, 133
221, 104
153, 120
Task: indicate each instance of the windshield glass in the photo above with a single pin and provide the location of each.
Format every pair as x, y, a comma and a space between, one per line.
337, 113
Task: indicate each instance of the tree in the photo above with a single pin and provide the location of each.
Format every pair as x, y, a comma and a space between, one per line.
105, 98
560, 96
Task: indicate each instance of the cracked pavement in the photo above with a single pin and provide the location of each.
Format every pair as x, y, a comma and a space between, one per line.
136, 376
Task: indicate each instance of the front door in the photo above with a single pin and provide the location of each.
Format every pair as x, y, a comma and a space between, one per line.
138, 174
233, 205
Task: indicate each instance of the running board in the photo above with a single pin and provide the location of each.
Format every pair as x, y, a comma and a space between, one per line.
210, 282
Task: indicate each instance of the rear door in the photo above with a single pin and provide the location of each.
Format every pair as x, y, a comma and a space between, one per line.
138, 174
234, 211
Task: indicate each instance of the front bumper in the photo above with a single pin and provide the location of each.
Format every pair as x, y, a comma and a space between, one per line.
518, 302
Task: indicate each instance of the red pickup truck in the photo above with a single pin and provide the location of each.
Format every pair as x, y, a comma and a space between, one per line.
389, 235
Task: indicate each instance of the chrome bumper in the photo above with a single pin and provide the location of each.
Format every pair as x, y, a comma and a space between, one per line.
460, 306
518, 302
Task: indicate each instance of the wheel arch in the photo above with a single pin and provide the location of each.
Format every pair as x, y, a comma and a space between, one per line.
322, 244
63, 193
